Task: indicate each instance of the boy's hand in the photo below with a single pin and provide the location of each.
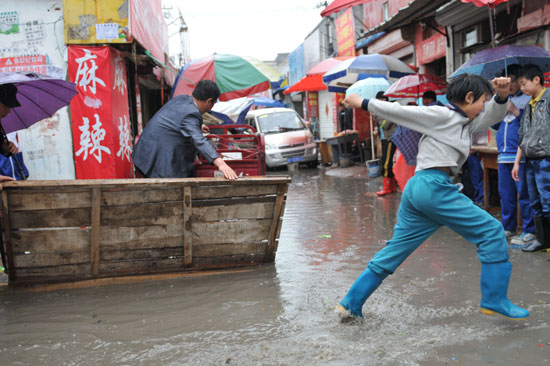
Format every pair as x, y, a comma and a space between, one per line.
353, 101
502, 87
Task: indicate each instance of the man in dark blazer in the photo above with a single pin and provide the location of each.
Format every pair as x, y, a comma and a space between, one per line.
169, 143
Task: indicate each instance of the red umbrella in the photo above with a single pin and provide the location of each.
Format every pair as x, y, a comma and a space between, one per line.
338, 5
313, 81
413, 86
489, 3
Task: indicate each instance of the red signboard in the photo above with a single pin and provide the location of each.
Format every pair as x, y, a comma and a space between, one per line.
148, 26
430, 49
31, 63
99, 113
312, 105
345, 36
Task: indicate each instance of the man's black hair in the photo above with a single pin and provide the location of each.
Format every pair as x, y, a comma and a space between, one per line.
380, 95
514, 69
465, 83
430, 94
205, 90
529, 72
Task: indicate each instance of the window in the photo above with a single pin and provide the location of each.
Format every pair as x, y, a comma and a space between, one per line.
470, 37
386, 11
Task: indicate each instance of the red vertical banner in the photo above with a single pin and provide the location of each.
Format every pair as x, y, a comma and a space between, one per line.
345, 36
122, 135
100, 113
312, 105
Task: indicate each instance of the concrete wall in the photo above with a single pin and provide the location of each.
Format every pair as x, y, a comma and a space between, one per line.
47, 145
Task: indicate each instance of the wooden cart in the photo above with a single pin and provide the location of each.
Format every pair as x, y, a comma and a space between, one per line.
57, 231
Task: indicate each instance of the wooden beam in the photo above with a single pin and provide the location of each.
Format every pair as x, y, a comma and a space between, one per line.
273, 231
96, 222
187, 228
7, 236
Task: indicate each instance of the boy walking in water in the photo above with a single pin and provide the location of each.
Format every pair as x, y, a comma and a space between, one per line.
534, 145
430, 199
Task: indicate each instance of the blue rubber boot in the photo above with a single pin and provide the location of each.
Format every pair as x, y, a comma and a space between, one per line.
351, 305
494, 286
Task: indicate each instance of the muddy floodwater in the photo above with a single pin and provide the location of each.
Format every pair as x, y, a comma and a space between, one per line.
427, 313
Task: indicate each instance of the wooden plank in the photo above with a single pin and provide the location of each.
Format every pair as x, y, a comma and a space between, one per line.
149, 253
94, 237
230, 231
71, 217
220, 250
75, 239
147, 214
7, 236
233, 201
145, 237
233, 212
81, 270
22, 201
42, 259
125, 196
109, 268
187, 227
233, 191
41, 185
277, 213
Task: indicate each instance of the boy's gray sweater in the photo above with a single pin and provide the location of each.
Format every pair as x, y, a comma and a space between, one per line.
446, 133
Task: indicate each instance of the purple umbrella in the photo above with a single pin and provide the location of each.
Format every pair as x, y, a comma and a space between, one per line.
40, 97
491, 62
406, 141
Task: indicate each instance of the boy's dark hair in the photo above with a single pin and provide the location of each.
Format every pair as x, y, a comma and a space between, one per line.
514, 69
429, 94
465, 83
380, 95
529, 72
205, 90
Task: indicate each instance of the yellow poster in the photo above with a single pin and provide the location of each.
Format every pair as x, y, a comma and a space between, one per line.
96, 21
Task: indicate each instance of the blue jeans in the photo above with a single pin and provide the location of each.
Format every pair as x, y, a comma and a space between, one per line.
510, 193
538, 185
431, 200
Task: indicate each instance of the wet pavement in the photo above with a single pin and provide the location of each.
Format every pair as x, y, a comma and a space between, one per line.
427, 313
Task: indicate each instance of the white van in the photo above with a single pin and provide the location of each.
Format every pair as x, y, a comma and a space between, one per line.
287, 139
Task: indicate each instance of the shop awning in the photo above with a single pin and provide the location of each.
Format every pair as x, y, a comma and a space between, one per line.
307, 83
338, 5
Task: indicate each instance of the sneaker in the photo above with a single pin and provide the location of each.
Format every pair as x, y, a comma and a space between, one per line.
524, 238
509, 233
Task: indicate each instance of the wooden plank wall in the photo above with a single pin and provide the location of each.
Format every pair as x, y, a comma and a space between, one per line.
60, 232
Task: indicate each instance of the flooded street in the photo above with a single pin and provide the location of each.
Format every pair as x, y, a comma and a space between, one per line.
427, 313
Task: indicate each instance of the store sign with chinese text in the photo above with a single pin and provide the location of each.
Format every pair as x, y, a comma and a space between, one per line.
430, 49
100, 114
345, 36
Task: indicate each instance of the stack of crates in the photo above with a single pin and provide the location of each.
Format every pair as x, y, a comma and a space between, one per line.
240, 146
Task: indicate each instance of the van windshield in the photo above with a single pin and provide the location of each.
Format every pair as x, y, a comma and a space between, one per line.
280, 122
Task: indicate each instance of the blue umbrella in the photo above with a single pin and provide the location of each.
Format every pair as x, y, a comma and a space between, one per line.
343, 75
491, 62
367, 88
268, 102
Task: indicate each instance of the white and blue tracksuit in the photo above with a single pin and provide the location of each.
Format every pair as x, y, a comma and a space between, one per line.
430, 199
509, 190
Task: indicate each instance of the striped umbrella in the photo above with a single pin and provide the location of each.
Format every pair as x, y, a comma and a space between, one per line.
235, 76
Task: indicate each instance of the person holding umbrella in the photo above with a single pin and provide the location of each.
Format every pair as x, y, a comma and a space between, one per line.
8, 100
385, 131
431, 200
